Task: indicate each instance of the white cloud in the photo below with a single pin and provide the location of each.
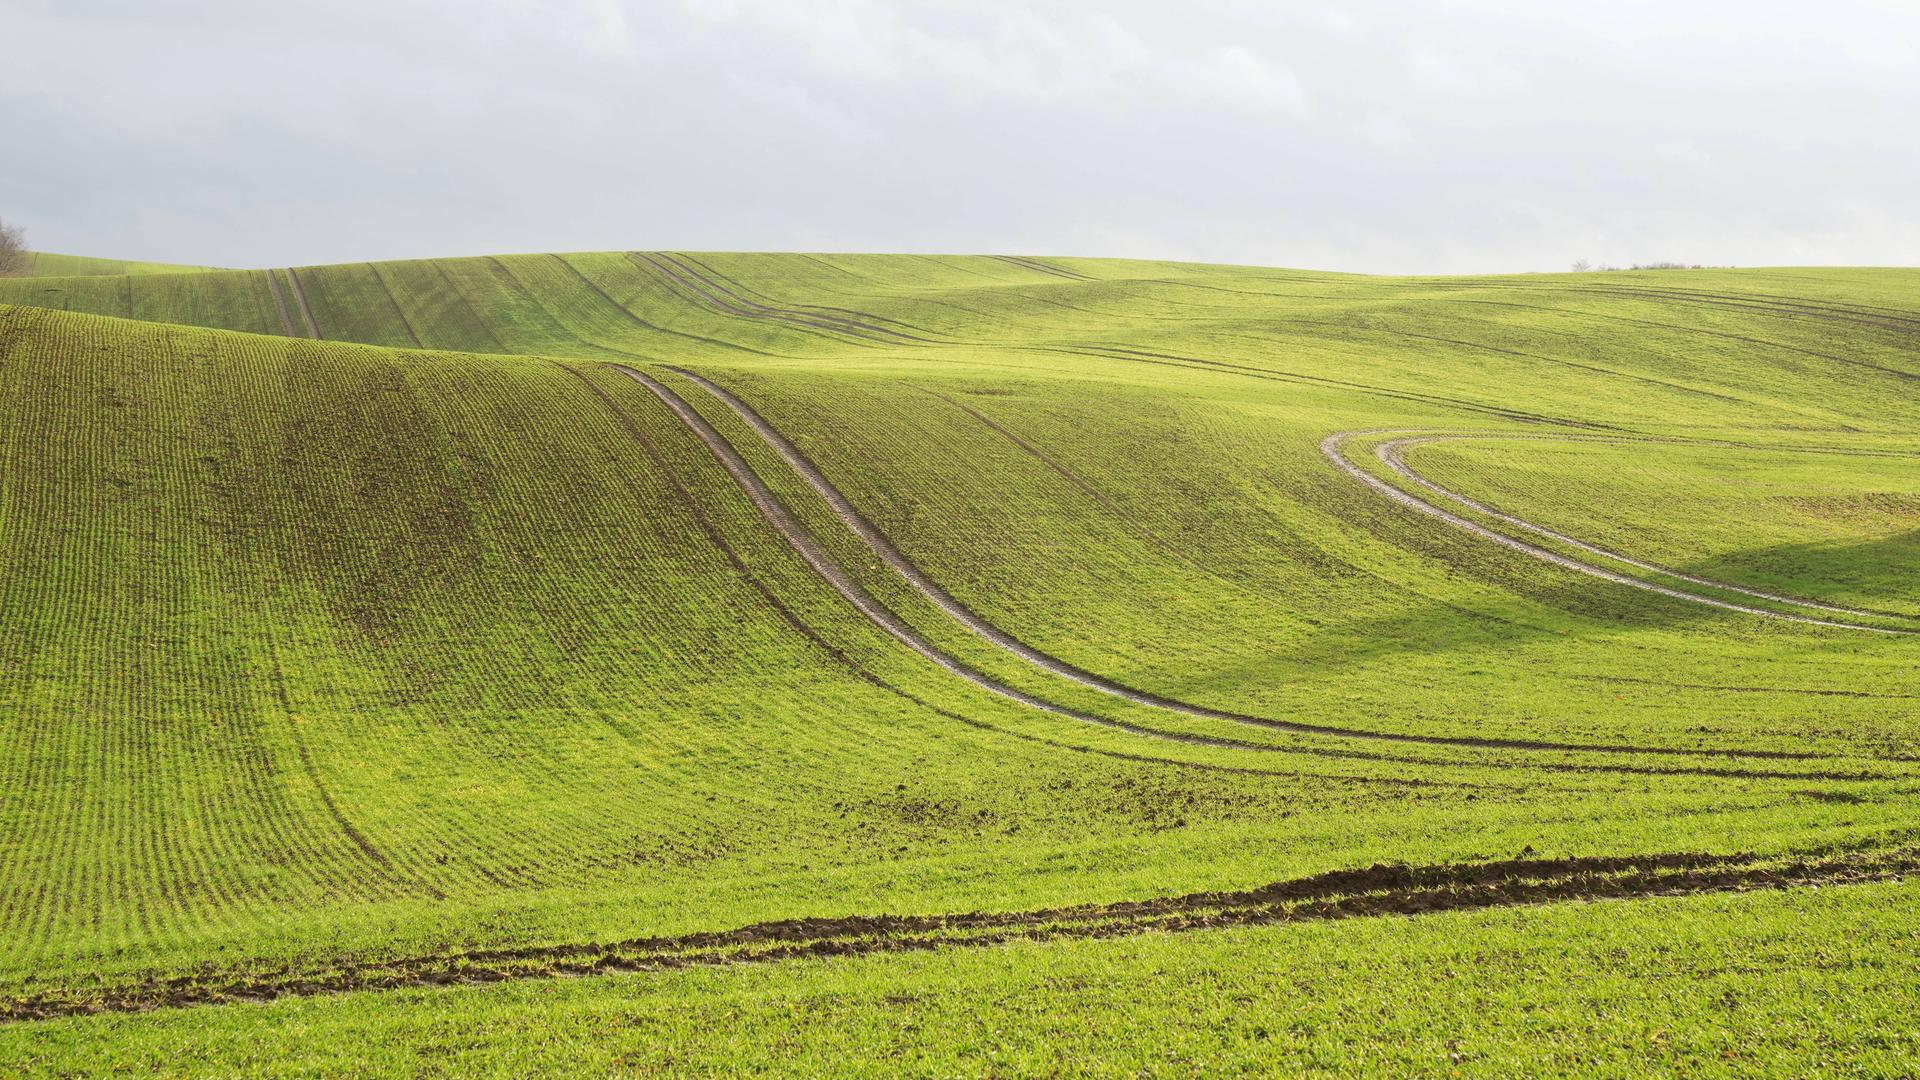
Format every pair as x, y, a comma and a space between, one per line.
1371, 134
1385, 130
1436, 71
1014, 52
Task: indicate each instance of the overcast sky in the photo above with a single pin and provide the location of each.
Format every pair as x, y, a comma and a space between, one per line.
1382, 136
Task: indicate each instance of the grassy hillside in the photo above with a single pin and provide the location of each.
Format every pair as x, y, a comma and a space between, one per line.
1773, 983
46, 264
552, 602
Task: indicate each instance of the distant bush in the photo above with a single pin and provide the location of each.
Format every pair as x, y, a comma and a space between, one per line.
13, 249
1581, 266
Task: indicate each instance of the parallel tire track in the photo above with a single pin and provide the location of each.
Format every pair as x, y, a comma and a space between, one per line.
822, 564
840, 656
879, 323
279, 304
1039, 267
1390, 454
300, 300
959, 612
1330, 448
717, 297
1381, 890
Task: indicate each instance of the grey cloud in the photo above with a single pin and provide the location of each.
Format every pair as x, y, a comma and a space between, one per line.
1474, 136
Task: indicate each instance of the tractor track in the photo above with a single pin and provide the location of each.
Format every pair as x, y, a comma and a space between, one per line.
279, 304
1039, 267
877, 323
1382, 890
1390, 453
1330, 448
300, 301
823, 565
803, 541
717, 297
862, 672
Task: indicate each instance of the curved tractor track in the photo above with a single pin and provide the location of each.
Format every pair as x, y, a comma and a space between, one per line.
1389, 454
770, 509
803, 542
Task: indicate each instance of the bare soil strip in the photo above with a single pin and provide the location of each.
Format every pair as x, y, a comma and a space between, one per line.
300, 299
946, 602
1330, 448
1381, 890
279, 303
1390, 454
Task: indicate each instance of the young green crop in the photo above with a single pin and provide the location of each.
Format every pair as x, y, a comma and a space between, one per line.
321, 653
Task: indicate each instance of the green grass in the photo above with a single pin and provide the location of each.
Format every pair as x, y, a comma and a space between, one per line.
45, 264
1762, 984
441, 634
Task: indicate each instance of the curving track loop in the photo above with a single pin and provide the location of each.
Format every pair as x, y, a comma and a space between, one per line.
1331, 446
884, 549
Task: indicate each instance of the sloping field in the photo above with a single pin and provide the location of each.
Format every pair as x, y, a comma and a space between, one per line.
388, 625
45, 264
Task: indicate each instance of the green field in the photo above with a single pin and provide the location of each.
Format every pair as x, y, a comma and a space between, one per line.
45, 264
1193, 636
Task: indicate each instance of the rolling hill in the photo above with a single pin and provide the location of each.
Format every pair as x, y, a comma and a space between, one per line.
374, 627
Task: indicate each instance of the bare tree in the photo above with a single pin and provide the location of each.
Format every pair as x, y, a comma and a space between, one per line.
13, 250
1581, 266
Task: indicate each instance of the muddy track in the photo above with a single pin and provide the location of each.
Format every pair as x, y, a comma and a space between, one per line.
279, 303
300, 300
1330, 448
1376, 891
982, 628
1390, 453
